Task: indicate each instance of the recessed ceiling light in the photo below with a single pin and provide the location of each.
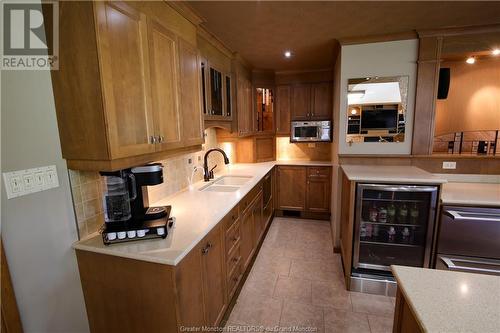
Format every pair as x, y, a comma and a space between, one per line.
288, 54
470, 60
495, 52
354, 111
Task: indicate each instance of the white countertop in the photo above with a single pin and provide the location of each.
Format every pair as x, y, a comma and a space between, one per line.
445, 301
196, 213
390, 174
471, 194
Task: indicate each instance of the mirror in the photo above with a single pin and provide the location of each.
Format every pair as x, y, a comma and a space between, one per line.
376, 109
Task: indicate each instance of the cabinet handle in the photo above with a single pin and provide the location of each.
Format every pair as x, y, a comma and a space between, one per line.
206, 248
234, 259
161, 138
235, 279
152, 139
235, 239
233, 217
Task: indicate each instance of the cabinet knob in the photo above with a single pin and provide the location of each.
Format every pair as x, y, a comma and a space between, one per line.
152, 139
234, 259
235, 239
161, 138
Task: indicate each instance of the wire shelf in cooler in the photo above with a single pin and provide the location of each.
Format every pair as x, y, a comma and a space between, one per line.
389, 244
394, 224
393, 200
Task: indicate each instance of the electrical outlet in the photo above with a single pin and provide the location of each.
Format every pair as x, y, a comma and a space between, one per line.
449, 165
22, 182
190, 161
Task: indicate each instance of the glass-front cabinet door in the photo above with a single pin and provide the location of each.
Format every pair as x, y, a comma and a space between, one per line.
394, 226
216, 92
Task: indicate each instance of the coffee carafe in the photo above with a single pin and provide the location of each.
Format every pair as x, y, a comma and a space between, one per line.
119, 192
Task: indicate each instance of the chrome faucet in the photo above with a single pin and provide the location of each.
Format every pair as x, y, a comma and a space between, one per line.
209, 174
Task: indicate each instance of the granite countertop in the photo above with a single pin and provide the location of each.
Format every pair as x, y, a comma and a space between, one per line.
471, 194
196, 214
390, 174
446, 301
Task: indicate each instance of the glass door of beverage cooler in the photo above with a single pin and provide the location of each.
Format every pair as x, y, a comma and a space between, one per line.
394, 226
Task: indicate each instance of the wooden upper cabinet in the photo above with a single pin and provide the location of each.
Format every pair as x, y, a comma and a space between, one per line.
212, 253
283, 110
311, 101
126, 83
322, 101
291, 187
301, 102
192, 118
164, 87
123, 51
244, 100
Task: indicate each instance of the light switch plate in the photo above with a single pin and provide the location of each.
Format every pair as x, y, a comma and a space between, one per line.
22, 182
449, 165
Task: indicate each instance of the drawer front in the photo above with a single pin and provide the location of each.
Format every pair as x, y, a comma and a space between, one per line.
233, 259
231, 218
233, 279
323, 172
232, 237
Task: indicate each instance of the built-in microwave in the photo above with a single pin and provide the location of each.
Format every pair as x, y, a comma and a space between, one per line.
311, 131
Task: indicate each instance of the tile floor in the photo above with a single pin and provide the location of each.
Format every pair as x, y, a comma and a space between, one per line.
297, 280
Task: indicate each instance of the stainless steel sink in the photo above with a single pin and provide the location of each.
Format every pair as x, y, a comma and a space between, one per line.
233, 180
219, 188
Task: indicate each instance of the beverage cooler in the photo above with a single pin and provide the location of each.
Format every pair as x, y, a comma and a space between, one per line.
394, 225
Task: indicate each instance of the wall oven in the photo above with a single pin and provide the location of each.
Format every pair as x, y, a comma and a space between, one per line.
311, 131
468, 240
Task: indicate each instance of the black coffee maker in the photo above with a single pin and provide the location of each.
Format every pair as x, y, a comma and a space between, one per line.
128, 215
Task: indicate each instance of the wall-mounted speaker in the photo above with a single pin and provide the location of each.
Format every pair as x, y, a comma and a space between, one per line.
444, 83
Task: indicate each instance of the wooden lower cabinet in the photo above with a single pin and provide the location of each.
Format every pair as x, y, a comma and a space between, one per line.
258, 220
347, 225
304, 189
247, 237
212, 257
404, 319
291, 187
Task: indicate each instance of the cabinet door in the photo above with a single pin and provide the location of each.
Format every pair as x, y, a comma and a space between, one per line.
190, 91
291, 187
322, 101
189, 286
283, 110
318, 195
246, 246
258, 220
124, 65
301, 102
244, 100
214, 280
164, 85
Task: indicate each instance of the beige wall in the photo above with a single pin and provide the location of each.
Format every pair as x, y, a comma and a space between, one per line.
285, 150
473, 101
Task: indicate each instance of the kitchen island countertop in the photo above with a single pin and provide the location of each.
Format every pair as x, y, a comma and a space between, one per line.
390, 174
446, 301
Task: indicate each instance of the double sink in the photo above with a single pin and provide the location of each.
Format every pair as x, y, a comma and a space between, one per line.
226, 184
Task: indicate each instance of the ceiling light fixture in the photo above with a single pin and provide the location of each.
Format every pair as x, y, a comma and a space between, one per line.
288, 54
495, 52
354, 111
470, 60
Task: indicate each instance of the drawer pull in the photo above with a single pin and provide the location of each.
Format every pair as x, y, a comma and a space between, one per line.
234, 259
207, 248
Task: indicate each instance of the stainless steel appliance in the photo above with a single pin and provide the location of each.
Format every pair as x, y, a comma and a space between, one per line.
128, 215
469, 240
311, 131
394, 225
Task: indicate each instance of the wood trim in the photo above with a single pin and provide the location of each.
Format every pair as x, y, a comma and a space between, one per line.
215, 41
127, 162
378, 38
11, 320
456, 31
425, 100
183, 8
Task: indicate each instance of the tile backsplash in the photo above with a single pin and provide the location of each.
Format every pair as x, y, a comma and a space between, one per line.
87, 187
